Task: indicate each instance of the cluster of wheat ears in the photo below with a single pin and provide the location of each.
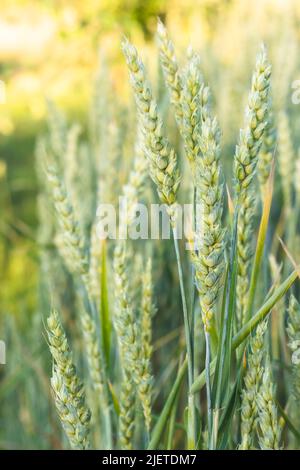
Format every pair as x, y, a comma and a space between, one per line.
241, 327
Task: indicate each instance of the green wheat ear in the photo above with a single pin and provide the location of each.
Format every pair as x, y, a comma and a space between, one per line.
161, 156
252, 381
269, 429
286, 157
147, 312
251, 136
245, 163
68, 390
293, 330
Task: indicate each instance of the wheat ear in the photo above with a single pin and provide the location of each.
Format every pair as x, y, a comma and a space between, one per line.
67, 389
209, 255
286, 158
266, 153
194, 102
293, 330
245, 162
125, 326
170, 69
161, 157
252, 380
147, 312
269, 435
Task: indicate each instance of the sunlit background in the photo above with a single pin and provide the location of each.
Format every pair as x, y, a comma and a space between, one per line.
54, 49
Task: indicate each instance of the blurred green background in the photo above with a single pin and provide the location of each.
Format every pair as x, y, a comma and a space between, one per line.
48, 49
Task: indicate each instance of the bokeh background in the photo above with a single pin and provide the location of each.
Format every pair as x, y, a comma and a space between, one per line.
54, 49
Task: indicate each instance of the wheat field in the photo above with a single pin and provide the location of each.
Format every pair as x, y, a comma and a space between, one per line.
190, 341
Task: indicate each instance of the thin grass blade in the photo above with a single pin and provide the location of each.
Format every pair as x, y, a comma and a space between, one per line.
261, 241
104, 306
